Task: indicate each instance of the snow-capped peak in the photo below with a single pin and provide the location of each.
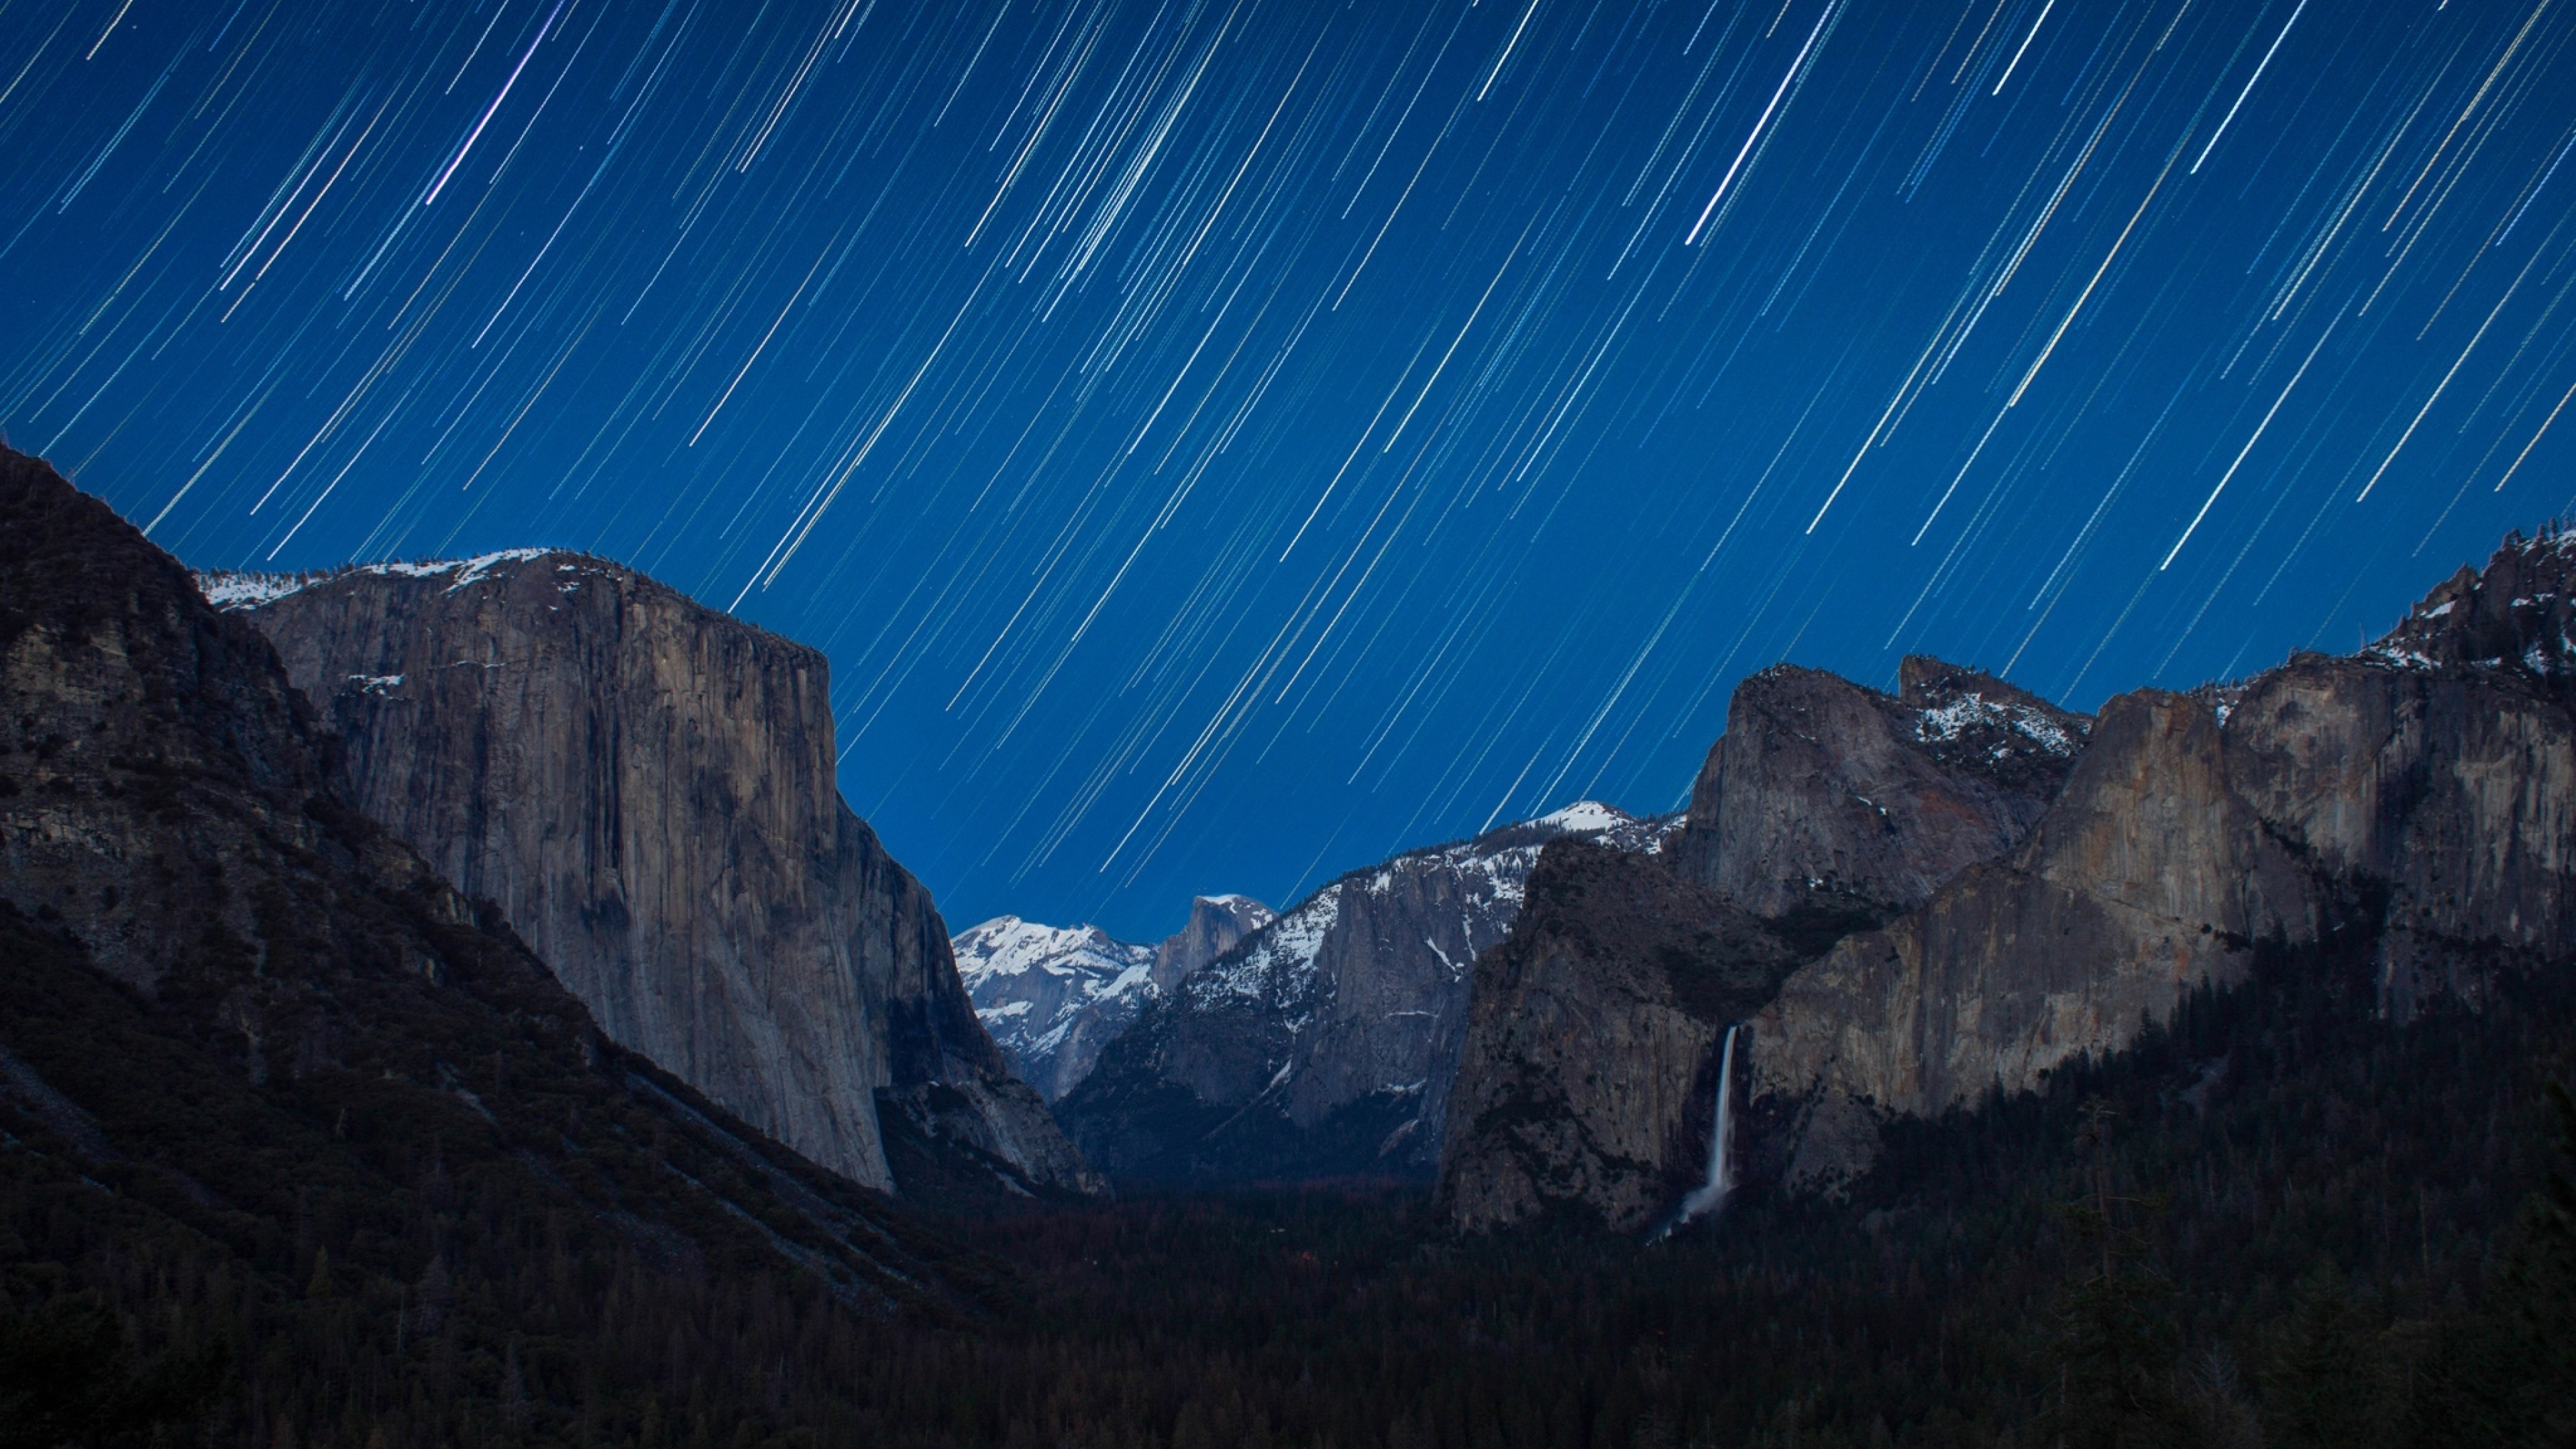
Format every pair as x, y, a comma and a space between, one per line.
1586, 817
227, 590
1008, 946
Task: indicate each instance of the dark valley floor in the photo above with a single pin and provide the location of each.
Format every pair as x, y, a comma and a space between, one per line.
2283, 1221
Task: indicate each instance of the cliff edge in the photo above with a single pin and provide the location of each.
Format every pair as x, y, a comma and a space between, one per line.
647, 789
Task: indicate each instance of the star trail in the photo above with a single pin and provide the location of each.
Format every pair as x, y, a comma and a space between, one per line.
1220, 443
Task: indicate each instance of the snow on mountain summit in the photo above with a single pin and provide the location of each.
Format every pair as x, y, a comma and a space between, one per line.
1585, 817
1345, 1010
1052, 996
1007, 946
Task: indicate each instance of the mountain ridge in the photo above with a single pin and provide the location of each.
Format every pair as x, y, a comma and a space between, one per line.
262, 1063
649, 789
1053, 997
2422, 790
1323, 1044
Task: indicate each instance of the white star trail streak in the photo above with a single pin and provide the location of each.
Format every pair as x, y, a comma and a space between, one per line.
1219, 444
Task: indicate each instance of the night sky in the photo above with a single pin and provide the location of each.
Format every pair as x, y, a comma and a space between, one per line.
1220, 444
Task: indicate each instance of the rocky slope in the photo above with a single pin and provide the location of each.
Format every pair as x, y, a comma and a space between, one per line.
2041, 885
1323, 1044
2422, 792
1587, 1079
1592, 1041
646, 789
1832, 798
1053, 996
229, 999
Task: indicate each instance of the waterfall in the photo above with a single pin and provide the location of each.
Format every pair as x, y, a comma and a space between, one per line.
1711, 1195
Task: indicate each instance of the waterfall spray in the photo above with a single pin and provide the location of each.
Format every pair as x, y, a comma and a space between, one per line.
1711, 1195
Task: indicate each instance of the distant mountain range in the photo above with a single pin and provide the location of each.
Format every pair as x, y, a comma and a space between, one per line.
1876, 905
1053, 996
1324, 1043
464, 978
1893, 903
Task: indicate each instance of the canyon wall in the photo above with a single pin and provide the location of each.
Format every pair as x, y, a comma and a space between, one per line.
646, 788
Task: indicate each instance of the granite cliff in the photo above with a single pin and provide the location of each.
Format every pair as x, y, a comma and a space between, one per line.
1592, 1044
646, 790
227, 997
2421, 792
1323, 1044
1833, 799
1589, 1071
1975, 906
1215, 924
1053, 996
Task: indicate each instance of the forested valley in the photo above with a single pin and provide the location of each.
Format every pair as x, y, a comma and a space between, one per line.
2282, 1219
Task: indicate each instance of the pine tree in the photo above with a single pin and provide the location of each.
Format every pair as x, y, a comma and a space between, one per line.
2325, 1385
2507, 1376
69, 1375
2116, 1349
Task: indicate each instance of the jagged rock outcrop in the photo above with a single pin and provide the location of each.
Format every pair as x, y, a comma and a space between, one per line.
647, 789
2423, 790
233, 995
2044, 884
1053, 996
1325, 1043
1589, 1075
1825, 809
2149, 876
1215, 924
1830, 797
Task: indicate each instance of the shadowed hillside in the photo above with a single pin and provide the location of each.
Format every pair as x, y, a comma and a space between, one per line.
270, 1090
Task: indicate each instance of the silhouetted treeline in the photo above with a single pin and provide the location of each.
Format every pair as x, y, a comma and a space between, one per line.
2284, 1219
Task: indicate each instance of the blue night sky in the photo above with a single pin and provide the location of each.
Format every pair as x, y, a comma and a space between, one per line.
1219, 444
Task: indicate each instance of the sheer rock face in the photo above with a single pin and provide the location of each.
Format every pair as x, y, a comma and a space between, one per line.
1325, 1043
1827, 793
151, 745
1053, 996
2147, 877
1827, 808
1589, 1075
2423, 790
305, 999
646, 787
1215, 924
2041, 885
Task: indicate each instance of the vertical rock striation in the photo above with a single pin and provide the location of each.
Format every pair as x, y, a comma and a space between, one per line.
227, 990
2423, 791
2149, 876
2033, 886
647, 789
1591, 1073
1588, 1076
1215, 924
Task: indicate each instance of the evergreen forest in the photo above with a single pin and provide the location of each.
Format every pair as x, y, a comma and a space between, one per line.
2280, 1219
